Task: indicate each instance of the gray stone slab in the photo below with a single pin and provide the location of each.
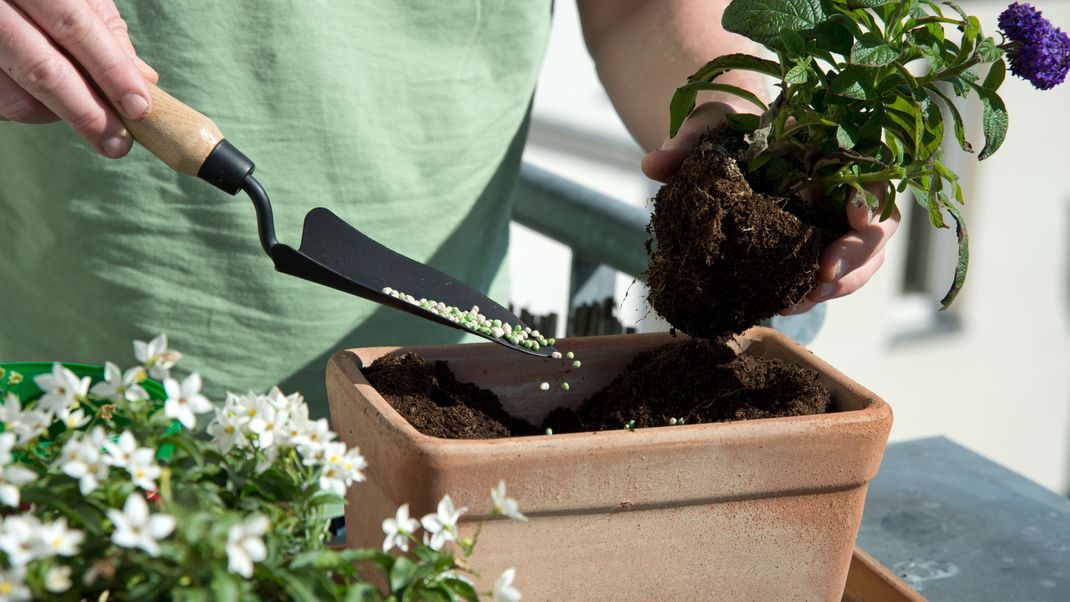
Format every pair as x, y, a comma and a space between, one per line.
957, 526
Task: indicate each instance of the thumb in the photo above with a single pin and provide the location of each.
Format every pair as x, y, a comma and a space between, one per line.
661, 163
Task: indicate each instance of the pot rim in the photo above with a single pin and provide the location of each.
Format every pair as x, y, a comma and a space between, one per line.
874, 413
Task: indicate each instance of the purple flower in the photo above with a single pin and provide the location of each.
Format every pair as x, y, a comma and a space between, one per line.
1023, 23
1039, 52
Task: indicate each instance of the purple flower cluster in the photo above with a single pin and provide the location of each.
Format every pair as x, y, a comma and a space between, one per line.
1040, 51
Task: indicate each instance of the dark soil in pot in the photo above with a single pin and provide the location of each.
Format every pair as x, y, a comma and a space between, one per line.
728, 256
699, 381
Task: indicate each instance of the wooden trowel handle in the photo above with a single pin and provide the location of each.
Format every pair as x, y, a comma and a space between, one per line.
175, 132
189, 142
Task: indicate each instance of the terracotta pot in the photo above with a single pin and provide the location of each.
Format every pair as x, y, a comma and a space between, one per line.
754, 510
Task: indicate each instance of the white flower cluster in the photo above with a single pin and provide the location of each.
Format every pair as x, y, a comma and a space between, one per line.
89, 457
24, 538
441, 527
275, 422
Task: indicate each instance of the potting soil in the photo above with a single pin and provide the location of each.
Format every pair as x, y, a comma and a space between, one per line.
695, 380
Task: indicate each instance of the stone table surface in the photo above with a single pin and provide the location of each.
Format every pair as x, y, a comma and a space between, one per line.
957, 526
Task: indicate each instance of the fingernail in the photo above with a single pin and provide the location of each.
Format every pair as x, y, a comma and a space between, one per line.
825, 290
134, 105
116, 146
841, 269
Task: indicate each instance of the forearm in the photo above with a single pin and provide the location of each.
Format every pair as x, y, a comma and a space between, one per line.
644, 50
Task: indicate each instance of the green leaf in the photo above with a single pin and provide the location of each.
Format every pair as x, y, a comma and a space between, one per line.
960, 129
929, 201
973, 29
853, 82
728, 89
683, 101
996, 75
225, 585
988, 51
762, 20
871, 51
833, 37
929, 41
995, 120
964, 255
845, 137
681, 105
743, 122
868, 3
870, 198
793, 44
797, 75
957, 9
298, 587
933, 135
907, 115
362, 592
401, 573
462, 588
186, 445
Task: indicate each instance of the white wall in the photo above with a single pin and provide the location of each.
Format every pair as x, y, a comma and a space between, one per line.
1000, 383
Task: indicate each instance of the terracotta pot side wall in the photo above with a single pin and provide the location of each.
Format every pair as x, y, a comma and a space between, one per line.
763, 509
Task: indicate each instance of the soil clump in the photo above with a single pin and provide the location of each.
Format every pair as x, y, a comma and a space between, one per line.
727, 256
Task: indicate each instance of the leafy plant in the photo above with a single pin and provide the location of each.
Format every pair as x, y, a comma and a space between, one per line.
851, 111
109, 491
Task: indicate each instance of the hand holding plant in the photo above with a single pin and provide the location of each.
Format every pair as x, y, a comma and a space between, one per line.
864, 86
851, 112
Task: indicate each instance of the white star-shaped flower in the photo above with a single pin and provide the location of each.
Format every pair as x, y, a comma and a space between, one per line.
16, 538
185, 400
10, 411
118, 385
503, 587
13, 586
143, 468
341, 467
82, 459
119, 452
73, 418
506, 506
56, 539
245, 545
30, 424
61, 388
11, 475
318, 435
399, 529
58, 579
136, 528
226, 432
442, 525
156, 357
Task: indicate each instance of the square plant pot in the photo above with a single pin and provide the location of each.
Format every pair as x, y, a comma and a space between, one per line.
752, 510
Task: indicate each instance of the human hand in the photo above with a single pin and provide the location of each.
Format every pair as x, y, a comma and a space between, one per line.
846, 264
56, 59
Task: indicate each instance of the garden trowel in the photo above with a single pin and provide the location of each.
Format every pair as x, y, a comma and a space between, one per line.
332, 252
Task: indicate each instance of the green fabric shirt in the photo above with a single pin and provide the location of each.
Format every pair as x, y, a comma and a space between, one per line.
405, 118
